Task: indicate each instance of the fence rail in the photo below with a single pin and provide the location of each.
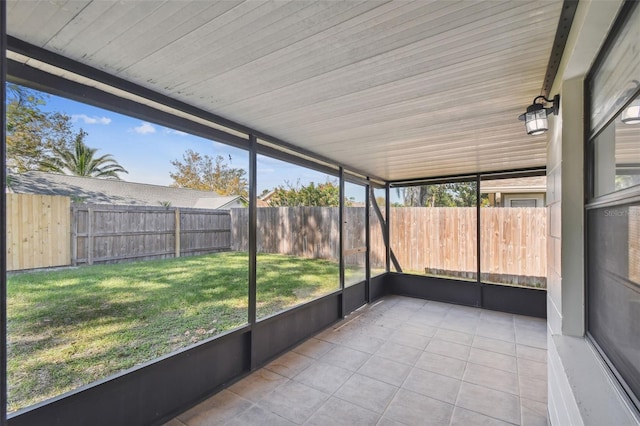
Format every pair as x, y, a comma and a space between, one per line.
110, 234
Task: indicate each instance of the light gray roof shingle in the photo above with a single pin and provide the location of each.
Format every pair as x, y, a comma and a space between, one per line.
119, 192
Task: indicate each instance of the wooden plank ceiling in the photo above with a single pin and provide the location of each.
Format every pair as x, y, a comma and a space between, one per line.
398, 89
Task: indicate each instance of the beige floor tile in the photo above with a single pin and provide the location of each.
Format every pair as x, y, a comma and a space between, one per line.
492, 378
497, 317
534, 389
435, 306
413, 408
534, 338
324, 377
437, 386
344, 357
367, 393
420, 329
385, 421
460, 323
462, 311
409, 339
534, 413
258, 416
534, 354
532, 323
493, 360
426, 318
463, 417
377, 331
221, 407
257, 384
454, 336
500, 405
337, 412
385, 370
441, 364
497, 331
293, 401
494, 345
399, 353
314, 348
290, 364
401, 362
363, 343
533, 369
450, 349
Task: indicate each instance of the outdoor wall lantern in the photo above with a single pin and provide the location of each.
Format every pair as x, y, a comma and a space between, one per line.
631, 115
535, 119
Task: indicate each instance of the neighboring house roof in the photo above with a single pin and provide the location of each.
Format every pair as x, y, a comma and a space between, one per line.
110, 191
535, 184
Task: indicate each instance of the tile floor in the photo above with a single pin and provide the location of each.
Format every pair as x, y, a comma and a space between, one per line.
399, 361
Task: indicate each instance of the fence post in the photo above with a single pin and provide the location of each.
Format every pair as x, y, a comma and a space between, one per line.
90, 236
74, 235
177, 232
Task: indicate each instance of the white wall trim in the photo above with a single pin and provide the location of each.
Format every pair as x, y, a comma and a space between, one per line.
582, 390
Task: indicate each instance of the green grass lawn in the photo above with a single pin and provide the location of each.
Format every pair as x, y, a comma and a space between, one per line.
71, 327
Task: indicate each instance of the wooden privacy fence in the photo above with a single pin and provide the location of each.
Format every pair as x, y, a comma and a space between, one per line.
110, 234
312, 232
45, 231
38, 229
443, 241
436, 240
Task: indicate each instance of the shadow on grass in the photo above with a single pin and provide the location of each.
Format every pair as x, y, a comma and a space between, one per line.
71, 327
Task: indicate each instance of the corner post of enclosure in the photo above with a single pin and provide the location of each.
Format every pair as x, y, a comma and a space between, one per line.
387, 211
341, 239
478, 242
367, 236
253, 214
3, 209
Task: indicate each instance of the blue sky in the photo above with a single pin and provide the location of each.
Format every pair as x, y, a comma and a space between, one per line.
145, 149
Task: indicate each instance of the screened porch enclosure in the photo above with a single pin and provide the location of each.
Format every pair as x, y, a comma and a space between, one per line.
408, 109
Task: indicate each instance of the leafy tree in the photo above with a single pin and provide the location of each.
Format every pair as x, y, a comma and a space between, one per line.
462, 194
205, 173
82, 161
33, 134
323, 195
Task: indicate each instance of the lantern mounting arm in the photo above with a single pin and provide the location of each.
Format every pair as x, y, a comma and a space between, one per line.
536, 106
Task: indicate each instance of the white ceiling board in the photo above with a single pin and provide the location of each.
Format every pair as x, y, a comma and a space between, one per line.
395, 88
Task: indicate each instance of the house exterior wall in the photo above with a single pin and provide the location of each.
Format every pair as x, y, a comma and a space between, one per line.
581, 390
508, 198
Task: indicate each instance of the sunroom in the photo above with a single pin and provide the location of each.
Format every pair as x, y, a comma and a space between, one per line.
472, 256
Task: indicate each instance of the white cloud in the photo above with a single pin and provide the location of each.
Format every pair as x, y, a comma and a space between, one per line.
144, 128
175, 132
90, 120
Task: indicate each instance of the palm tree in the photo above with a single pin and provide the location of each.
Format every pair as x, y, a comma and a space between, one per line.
81, 161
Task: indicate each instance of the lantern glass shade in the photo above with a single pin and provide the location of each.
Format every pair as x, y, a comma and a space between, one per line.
631, 115
536, 122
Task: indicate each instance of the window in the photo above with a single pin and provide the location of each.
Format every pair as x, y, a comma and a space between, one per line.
616, 156
513, 229
355, 244
298, 230
613, 212
434, 229
523, 203
144, 265
378, 254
